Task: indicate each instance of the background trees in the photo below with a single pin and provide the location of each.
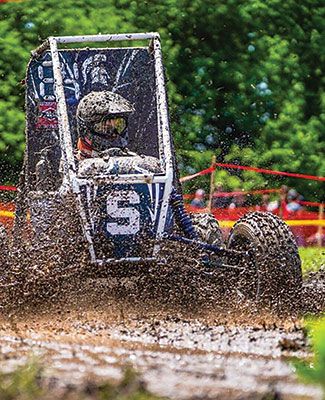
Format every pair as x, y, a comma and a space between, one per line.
245, 76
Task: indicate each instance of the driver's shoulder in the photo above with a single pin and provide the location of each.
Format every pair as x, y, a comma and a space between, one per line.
128, 163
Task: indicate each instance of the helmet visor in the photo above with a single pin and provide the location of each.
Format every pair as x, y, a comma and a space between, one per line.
111, 126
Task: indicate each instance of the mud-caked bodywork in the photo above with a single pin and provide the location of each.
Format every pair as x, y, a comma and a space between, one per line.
122, 199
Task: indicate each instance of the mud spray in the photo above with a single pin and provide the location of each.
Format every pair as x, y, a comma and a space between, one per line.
189, 334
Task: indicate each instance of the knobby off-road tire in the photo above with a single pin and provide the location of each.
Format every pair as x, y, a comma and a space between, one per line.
207, 228
273, 270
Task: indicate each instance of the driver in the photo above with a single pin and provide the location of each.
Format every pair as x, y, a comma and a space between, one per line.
102, 121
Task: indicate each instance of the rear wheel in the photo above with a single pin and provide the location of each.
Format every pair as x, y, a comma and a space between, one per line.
272, 270
207, 228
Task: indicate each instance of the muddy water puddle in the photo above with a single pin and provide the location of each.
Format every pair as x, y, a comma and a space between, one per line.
91, 330
177, 358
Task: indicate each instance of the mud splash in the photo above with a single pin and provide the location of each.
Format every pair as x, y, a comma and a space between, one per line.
177, 357
187, 339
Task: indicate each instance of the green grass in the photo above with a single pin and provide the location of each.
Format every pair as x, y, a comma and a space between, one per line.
23, 383
313, 370
313, 258
30, 383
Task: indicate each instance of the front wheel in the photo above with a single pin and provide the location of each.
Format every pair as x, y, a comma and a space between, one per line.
271, 273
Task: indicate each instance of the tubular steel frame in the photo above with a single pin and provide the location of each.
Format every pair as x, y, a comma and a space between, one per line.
165, 145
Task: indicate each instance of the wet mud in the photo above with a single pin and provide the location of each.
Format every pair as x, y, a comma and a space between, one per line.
186, 339
76, 354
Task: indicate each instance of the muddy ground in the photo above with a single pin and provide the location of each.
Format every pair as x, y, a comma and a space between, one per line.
185, 345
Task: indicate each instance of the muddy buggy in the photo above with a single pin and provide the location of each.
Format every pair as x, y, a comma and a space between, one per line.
127, 210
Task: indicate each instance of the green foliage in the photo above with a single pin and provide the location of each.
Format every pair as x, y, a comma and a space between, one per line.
130, 388
313, 371
248, 77
312, 258
245, 77
28, 383
23, 383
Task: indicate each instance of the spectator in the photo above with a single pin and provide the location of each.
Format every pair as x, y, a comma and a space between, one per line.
267, 205
238, 200
283, 201
219, 199
264, 204
293, 204
198, 201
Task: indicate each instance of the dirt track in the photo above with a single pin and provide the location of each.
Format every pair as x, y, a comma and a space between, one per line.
177, 359
92, 329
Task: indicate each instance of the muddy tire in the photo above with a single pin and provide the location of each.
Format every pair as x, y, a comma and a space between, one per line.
273, 268
207, 228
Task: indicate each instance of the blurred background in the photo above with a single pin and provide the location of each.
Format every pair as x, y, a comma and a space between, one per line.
245, 80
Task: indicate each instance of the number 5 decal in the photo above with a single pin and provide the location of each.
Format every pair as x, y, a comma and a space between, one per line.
130, 213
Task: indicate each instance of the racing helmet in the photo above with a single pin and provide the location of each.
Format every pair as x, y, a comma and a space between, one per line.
102, 119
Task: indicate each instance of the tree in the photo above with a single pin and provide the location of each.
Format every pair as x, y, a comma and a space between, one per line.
245, 78
248, 81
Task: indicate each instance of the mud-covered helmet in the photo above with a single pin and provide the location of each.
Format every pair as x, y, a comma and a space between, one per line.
102, 119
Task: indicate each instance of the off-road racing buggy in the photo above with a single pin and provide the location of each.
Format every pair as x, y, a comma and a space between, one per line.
128, 211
